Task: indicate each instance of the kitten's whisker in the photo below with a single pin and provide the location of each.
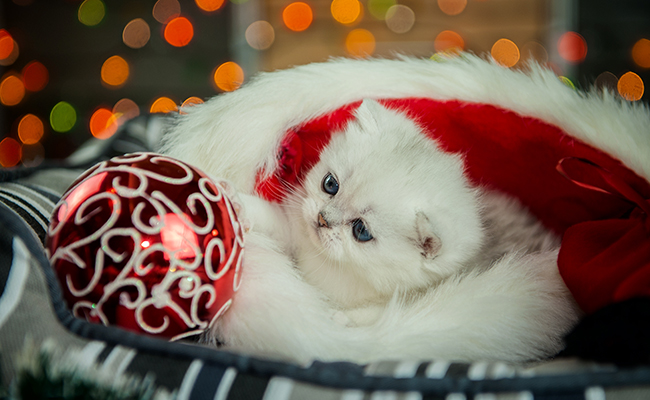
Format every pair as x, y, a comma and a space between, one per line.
315, 255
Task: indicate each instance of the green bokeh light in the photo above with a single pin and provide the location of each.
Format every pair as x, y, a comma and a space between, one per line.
567, 82
91, 12
63, 117
378, 8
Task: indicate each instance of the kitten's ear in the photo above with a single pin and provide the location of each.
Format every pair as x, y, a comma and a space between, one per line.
427, 240
367, 115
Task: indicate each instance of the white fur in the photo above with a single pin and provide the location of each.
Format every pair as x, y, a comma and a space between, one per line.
514, 310
252, 120
312, 291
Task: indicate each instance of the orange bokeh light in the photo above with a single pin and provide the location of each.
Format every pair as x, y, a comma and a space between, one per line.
228, 76
360, 43
35, 76
6, 44
209, 5
572, 47
452, 7
103, 123
30, 129
12, 90
163, 105
630, 86
115, 71
179, 32
505, 52
449, 41
641, 53
297, 16
191, 101
10, 152
345, 11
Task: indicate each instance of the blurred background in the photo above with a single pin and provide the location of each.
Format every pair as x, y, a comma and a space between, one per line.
71, 70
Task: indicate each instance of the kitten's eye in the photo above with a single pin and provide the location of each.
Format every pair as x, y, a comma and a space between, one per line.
360, 232
330, 184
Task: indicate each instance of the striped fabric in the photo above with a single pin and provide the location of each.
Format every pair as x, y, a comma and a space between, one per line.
34, 205
202, 379
31, 305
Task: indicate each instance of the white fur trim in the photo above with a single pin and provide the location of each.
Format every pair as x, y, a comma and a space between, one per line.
234, 134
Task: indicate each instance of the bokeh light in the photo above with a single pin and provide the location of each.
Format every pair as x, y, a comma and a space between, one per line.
12, 90
91, 12
165, 10
297, 16
126, 109
191, 101
260, 35
449, 42
63, 117
103, 123
10, 152
379, 8
641, 53
567, 82
179, 32
32, 154
115, 71
360, 43
630, 86
209, 5
136, 33
534, 51
346, 11
15, 52
452, 7
6, 44
572, 47
400, 18
505, 52
163, 105
35, 76
30, 129
228, 76
607, 81
8, 48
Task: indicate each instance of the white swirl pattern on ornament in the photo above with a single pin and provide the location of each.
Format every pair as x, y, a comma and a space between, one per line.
178, 245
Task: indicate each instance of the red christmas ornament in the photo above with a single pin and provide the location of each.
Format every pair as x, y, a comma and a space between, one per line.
147, 243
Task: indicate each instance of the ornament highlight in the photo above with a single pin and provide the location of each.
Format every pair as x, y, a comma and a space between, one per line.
147, 243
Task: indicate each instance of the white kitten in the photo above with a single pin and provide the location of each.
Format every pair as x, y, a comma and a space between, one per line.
383, 211
394, 253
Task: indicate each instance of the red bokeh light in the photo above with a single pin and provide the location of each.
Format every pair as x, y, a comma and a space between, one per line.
572, 47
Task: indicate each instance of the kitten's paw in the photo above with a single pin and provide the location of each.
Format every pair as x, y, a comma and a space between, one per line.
237, 204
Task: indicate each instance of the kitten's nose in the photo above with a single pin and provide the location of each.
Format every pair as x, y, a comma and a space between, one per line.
322, 222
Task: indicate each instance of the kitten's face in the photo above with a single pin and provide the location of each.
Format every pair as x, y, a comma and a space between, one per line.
386, 204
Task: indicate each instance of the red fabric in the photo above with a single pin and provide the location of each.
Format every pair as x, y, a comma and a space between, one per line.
606, 261
516, 155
